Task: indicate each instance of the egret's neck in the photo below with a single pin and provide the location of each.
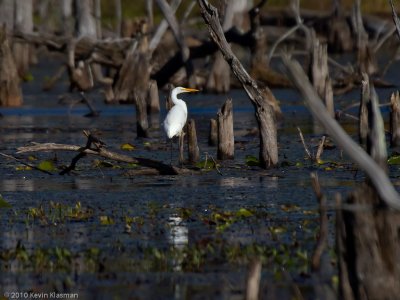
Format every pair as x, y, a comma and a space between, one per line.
176, 100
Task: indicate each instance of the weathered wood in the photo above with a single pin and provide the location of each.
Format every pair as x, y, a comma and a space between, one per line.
376, 142
24, 23
7, 14
368, 248
193, 148
319, 73
366, 60
363, 111
85, 18
103, 152
178, 35
226, 140
153, 100
213, 134
339, 33
253, 279
219, 78
264, 113
181, 140
377, 176
10, 91
395, 119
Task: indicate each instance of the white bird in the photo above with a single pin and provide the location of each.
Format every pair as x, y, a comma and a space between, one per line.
177, 115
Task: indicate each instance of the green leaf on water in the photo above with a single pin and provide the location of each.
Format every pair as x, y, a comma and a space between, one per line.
244, 213
46, 165
28, 77
4, 203
251, 160
394, 160
127, 147
206, 164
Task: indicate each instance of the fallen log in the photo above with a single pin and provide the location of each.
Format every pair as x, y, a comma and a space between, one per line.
100, 150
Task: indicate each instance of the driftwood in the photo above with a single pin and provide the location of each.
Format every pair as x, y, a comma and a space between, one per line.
10, 92
377, 176
264, 113
253, 279
193, 148
99, 150
395, 120
226, 142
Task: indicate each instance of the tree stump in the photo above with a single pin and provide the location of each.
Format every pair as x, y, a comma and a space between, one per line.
213, 134
395, 120
368, 248
319, 74
339, 33
193, 148
363, 111
153, 100
366, 59
226, 142
10, 92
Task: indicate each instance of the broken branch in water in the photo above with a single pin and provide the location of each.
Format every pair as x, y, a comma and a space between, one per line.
99, 150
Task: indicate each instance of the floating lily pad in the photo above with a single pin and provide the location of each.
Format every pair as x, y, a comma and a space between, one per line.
394, 160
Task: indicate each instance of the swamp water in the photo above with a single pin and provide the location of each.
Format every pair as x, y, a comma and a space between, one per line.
104, 234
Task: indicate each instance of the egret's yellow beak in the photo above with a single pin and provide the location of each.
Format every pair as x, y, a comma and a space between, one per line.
190, 90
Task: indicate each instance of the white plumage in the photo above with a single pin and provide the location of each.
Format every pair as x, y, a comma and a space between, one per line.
177, 116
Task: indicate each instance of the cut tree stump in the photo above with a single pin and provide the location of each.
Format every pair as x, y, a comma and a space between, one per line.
193, 148
10, 91
226, 142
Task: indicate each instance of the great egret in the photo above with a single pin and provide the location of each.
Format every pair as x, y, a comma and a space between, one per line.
177, 115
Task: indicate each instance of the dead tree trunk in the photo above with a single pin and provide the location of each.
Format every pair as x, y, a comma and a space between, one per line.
226, 140
213, 134
366, 60
395, 120
7, 14
23, 23
264, 112
66, 15
367, 234
363, 111
10, 92
339, 33
219, 79
85, 18
132, 82
319, 74
178, 35
193, 148
153, 100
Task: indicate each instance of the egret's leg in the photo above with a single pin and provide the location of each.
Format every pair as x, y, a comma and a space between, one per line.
171, 151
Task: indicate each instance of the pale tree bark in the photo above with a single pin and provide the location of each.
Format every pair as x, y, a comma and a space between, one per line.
265, 114
66, 16
7, 13
118, 17
226, 140
23, 23
10, 92
85, 19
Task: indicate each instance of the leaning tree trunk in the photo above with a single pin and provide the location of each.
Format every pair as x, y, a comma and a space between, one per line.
10, 92
219, 79
264, 111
